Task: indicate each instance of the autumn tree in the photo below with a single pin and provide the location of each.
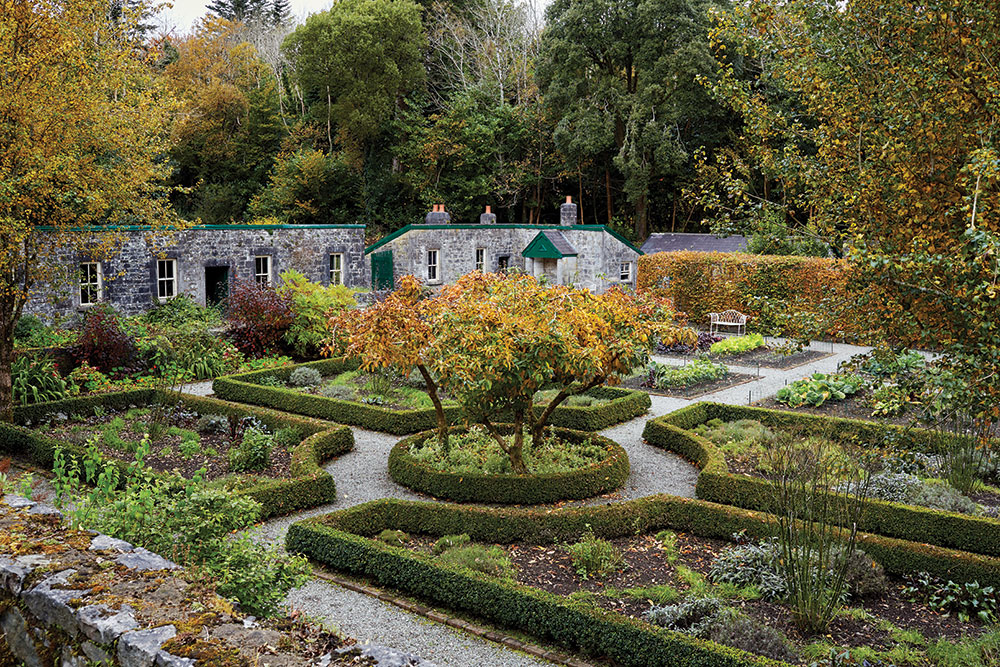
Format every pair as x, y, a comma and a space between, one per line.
395, 333
498, 339
83, 128
229, 131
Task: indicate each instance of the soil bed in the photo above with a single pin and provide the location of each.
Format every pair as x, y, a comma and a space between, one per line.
169, 452
852, 407
646, 565
762, 355
693, 391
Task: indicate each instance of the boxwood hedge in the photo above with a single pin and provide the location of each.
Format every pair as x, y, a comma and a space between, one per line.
308, 486
716, 483
622, 405
603, 477
342, 540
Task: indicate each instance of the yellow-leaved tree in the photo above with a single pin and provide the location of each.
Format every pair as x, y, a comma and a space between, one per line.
83, 133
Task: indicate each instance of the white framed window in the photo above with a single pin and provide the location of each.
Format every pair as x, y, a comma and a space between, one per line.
433, 266
166, 279
625, 272
480, 259
337, 268
262, 269
91, 283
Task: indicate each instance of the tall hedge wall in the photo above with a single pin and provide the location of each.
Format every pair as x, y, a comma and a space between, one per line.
716, 483
699, 283
309, 485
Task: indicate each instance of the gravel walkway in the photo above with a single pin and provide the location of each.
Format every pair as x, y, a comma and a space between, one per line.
361, 476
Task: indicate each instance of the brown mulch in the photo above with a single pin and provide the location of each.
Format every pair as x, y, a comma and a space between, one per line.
694, 391
215, 466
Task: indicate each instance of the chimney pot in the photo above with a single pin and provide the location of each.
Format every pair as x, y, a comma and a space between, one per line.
437, 215
488, 209
569, 200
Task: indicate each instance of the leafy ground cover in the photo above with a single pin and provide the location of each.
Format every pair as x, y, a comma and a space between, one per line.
730, 592
895, 474
475, 451
697, 377
177, 440
749, 350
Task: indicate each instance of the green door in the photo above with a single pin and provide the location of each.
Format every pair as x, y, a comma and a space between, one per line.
382, 270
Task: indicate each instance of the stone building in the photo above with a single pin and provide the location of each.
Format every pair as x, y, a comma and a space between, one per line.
150, 267
679, 241
439, 251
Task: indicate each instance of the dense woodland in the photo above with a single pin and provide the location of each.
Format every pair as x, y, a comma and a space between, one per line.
374, 110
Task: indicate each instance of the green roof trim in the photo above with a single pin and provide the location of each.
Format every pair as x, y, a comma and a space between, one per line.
541, 247
590, 228
167, 228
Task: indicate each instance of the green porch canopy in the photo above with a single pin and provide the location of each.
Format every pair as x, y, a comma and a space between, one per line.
549, 244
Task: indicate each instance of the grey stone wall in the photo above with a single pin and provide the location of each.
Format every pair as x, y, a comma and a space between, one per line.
130, 273
596, 266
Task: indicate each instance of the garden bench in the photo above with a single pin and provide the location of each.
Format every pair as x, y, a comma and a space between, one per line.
728, 318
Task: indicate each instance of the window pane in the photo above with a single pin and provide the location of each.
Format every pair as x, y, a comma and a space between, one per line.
336, 269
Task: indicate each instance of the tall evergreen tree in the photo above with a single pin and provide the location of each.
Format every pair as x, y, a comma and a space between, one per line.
238, 10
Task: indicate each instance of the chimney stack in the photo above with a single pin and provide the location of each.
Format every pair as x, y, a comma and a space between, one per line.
488, 218
437, 216
567, 213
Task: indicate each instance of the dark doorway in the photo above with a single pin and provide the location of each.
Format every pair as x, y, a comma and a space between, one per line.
216, 285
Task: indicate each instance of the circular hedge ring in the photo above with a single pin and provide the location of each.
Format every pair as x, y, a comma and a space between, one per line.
594, 480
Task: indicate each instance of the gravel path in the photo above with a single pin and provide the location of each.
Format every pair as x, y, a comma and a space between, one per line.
361, 476
372, 621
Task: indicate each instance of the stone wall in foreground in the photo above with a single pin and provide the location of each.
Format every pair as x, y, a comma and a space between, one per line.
72, 598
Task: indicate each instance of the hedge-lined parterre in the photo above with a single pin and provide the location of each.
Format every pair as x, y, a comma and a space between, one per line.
509, 489
622, 405
717, 484
342, 540
308, 486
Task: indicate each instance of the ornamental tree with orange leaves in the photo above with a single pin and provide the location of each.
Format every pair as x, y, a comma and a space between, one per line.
83, 132
395, 333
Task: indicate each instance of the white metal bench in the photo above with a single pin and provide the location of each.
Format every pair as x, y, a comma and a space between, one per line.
727, 318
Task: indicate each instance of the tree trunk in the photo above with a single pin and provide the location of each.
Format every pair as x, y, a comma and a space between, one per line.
607, 192
6, 385
640, 219
515, 450
438, 408
537, 430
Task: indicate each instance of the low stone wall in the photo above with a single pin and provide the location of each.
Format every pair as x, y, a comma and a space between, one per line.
75, 598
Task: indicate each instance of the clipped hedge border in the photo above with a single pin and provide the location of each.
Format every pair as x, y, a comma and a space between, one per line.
341, 541
603, 477
309, 485
624, 404
715, 482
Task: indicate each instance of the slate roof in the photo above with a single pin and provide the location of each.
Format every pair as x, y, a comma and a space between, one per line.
560, 242
673, 242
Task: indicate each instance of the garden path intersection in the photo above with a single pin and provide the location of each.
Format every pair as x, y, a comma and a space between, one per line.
361, 475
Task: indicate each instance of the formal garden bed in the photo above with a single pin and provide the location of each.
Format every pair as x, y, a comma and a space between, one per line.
660, 581
270, 456
694, 379
748, 351
566, 465
737, 449
336, 390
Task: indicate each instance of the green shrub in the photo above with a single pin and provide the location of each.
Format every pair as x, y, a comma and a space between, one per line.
253, 453
969, 600
313, 304
212, 424
338, 391
818, 389
287, 437
450, 542
88, 378
182, 310
593, 556
741, 631
664, 376
692, 616
304, 376
737, 345
751, 565
941, 496
30, 331
477, 558
396, 538
256, 574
